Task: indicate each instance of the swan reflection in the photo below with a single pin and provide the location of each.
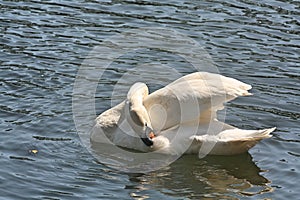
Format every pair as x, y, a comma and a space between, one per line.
210, 177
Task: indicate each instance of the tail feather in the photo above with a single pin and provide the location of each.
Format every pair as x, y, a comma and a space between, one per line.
245, 135
233, 141
265, 133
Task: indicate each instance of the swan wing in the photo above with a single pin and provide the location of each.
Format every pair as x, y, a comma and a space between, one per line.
196, 96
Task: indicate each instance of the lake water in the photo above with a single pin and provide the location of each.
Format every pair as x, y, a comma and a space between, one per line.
44, 44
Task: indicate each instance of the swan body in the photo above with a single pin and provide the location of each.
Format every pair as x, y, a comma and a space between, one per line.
179, 118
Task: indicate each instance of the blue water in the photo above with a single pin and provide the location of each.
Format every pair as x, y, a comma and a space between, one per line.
43, 45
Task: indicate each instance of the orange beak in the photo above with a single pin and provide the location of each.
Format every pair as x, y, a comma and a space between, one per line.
151, 135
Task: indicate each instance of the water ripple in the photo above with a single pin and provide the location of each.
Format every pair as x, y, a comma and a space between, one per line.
43, 44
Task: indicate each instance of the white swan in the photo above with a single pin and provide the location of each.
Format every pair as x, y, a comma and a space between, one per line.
179, 118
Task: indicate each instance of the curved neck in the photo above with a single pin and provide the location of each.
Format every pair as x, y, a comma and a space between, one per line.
135, 98
137, 93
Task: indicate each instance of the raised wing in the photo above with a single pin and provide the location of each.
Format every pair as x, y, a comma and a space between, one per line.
193, 97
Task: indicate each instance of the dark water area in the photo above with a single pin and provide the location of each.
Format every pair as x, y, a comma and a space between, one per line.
43, 45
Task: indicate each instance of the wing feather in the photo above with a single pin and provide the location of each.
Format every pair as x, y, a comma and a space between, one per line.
196, 96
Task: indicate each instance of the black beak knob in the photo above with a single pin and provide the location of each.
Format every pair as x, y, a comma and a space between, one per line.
147, 141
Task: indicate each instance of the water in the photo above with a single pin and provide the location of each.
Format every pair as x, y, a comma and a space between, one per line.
43, 45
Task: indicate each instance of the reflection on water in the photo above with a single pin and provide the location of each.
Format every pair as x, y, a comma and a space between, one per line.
43, 44
212, 177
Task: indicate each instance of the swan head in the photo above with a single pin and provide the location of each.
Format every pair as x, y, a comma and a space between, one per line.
140, 123
137, 115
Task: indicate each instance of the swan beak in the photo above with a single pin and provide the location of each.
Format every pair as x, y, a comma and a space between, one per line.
148, 136
147, 141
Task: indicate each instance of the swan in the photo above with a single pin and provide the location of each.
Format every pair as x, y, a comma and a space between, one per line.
178, 118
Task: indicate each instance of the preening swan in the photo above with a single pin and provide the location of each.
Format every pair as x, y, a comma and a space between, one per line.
179, 118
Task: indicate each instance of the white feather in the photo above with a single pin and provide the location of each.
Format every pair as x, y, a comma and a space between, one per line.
183, 115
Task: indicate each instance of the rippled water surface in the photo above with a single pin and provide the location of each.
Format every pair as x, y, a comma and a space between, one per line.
44, 43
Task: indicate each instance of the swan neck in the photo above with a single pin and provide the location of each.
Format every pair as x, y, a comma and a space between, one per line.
137, 93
